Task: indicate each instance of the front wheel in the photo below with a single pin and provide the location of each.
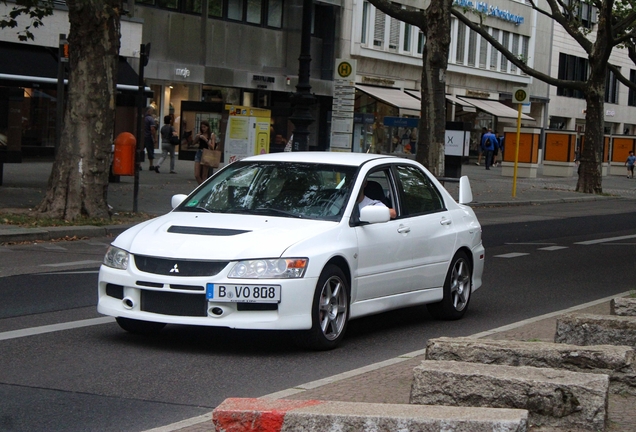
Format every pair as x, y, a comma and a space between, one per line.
329, 312
457, 290
140, 327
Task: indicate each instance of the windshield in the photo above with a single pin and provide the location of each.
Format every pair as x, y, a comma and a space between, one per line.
288, 189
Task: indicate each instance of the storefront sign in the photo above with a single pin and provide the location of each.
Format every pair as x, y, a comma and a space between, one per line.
401, 122
263, 78
490, 10
182, 72
377, 81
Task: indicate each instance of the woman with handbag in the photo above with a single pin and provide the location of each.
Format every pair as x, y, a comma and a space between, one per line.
205, 139
169, 139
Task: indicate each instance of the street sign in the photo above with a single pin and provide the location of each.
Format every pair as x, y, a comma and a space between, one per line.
520, 95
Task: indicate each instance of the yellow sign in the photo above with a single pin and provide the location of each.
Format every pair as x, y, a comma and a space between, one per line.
520, 95
344, 69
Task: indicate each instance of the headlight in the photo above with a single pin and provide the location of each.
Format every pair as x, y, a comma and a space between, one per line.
116, 258
269, 268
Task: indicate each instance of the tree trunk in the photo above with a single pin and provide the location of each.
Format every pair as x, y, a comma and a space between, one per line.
590, 174
430, 149
79, 179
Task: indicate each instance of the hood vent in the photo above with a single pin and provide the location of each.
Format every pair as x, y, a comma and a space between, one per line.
205, 231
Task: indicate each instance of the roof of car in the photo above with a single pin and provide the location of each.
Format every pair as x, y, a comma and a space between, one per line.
338, 158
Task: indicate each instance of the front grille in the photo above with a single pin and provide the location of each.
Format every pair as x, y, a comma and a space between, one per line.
178, 267
172, 303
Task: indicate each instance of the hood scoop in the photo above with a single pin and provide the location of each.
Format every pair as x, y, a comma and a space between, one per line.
205, 231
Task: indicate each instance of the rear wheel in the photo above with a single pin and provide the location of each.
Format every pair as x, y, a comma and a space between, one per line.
140, 327
329, 312
457, 290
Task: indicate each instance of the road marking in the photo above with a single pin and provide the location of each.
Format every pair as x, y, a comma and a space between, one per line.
552, 248
511, 255
67, 273
71, 263
52, 247
531, 244
15, 334
606, 240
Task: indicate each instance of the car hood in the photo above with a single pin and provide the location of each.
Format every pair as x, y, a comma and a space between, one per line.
218, 236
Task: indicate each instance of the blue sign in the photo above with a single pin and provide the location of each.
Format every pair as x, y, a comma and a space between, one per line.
490, 10
401, 122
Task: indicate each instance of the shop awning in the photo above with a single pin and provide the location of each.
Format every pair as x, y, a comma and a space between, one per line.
407, 104
24, 65
495, 108
465, 105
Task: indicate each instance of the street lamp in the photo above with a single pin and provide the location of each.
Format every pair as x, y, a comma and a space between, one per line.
302, 100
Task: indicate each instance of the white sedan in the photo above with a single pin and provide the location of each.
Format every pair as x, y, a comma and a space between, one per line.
298, 241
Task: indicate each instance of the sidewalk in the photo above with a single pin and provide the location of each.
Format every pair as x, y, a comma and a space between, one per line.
24, 186
385, 382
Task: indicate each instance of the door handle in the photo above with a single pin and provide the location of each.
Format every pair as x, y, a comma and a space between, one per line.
445, 221
404, 230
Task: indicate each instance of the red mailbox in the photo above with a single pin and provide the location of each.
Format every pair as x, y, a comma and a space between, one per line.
124, 158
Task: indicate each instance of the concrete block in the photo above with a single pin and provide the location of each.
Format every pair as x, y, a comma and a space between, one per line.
623, 306
616, 361
242, 415
554, 398
588, 329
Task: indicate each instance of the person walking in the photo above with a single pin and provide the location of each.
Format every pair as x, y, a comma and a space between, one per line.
169, 138
150, 136
498, 150
204, 139
488, 143
629, 163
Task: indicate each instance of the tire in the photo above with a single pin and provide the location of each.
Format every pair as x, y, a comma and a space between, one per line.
329, 311
457, 290
140, 327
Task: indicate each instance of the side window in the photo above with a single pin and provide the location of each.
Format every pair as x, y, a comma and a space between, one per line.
418, 194
378, 187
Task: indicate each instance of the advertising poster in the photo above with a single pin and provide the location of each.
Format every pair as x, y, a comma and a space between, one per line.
248, 132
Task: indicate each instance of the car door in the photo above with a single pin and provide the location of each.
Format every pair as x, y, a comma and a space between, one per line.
384, 260
430, 234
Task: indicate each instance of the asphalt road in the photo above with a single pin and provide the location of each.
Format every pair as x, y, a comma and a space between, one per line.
100, 378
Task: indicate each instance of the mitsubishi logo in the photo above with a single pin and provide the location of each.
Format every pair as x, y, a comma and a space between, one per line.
175, 269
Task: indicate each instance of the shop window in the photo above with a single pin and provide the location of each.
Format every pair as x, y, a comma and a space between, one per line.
611, 88
572, 68
631, 97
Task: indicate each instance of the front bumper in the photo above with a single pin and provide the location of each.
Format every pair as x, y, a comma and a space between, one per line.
181, 300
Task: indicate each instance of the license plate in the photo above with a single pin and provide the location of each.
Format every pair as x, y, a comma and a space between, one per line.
243, 293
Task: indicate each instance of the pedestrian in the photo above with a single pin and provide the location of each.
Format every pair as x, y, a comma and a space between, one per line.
488, 143
150, 136
204, 139
169, 138
480, 149
629, 163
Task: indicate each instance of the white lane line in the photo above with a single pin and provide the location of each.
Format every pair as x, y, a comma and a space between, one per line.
205, 418
606, 240
553, 248
511, 255
15, 334
71, 263
52, 247
67, 272
530, 244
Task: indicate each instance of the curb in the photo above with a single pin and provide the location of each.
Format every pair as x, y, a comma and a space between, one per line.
17, 235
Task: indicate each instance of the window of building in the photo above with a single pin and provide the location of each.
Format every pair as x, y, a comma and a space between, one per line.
365, 22
378, 29
575, 69
611, 87
394, 34
494, 54
267, 13
420, 42
406, 45
514, 50
472, 47
631, 97
483, 52
461, 43
505, 41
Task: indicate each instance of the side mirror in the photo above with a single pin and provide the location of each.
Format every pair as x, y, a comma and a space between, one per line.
465, 191
177, 199
375, 214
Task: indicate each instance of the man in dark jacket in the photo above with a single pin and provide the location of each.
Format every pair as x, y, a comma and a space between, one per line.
488, 143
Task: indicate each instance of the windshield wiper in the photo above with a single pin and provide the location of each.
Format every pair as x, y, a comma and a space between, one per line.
195, 209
